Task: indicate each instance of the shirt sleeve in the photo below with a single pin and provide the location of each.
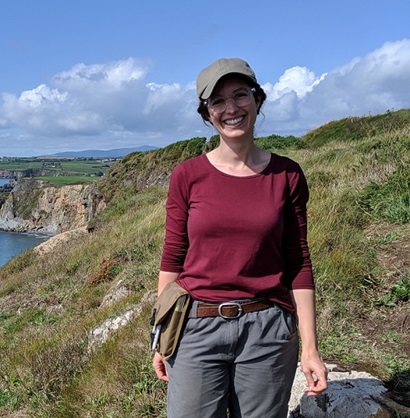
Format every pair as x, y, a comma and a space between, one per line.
298, 267
176, 235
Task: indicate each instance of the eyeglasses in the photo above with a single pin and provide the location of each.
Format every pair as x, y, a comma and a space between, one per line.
241, 98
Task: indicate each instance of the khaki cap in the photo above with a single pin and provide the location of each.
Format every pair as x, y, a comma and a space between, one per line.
209, 76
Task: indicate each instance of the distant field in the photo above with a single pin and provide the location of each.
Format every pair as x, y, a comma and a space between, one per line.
19, 164
63, 167
86, 167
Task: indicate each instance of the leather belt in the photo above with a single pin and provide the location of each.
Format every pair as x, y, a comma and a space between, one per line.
228, 309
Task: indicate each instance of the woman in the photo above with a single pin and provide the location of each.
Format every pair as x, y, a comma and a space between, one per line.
236, 240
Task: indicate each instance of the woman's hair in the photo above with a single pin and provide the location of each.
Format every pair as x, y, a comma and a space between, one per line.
259, 95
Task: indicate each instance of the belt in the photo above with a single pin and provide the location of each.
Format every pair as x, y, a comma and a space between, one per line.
228, 309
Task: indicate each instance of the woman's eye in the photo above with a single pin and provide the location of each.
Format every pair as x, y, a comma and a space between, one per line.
217, 101
240, 95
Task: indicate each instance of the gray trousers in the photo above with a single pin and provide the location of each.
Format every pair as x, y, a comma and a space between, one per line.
245, 365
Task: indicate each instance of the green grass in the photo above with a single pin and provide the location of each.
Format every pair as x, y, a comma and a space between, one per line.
19, 164
358, 128
86, 167
388, 201
73, 169
357, 220
67, 180
398, 293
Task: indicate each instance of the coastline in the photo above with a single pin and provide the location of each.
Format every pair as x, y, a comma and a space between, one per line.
15, 243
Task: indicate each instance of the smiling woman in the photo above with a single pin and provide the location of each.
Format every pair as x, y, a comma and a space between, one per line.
236, 241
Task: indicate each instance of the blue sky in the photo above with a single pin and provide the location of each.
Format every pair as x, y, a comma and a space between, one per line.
106, 74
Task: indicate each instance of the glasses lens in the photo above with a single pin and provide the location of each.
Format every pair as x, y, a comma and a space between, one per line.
241, 98
217, 104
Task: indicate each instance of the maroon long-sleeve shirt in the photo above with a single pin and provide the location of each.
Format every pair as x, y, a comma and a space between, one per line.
235, 237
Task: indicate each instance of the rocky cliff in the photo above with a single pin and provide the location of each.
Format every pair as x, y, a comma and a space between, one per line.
31, 172
34, 206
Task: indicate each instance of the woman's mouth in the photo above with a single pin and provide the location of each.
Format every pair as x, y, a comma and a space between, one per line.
234, 121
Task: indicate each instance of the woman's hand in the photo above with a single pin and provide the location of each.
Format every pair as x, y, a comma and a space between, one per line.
159, 366
315, 372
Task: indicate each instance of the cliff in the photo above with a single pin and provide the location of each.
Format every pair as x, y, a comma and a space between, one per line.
34, 206
32, 172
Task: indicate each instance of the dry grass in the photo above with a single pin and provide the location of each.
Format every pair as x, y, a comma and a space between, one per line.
50, 301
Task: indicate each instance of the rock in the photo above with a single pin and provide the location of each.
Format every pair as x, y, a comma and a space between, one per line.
59, 240
101, 334
350, 394
116, 293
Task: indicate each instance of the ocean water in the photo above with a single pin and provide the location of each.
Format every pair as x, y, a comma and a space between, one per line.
14, 243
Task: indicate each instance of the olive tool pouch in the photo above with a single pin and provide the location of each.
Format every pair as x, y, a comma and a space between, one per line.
167, 319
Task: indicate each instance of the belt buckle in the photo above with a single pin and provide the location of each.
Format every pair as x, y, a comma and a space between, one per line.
224, 304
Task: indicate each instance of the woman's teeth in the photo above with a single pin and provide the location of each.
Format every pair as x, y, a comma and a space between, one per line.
234, 121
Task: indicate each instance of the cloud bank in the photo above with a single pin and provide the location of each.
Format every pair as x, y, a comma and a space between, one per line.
113, 105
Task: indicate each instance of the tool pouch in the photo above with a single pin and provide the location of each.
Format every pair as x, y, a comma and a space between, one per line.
168, 317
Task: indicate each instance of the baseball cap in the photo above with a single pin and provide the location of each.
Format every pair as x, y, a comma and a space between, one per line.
210, 75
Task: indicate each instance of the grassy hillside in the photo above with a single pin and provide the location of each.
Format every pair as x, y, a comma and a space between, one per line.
359, 228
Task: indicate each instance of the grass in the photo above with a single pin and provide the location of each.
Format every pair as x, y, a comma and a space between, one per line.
67, 180
58, 172
19, 164
63, 165
389, 201
359, 236
398, 293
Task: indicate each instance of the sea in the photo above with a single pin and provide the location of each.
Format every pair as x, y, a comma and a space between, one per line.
14, 243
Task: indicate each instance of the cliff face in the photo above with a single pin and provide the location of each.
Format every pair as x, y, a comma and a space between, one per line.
32, 172
32, 206
11, 174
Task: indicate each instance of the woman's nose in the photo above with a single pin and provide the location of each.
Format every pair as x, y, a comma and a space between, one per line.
231, 105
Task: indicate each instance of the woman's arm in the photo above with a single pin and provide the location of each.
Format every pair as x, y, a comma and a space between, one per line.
311, 363
175, 244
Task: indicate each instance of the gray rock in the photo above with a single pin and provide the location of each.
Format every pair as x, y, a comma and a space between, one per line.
350, 394
101, 334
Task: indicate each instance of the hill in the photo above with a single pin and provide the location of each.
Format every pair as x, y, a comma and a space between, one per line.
110, 153
74, 317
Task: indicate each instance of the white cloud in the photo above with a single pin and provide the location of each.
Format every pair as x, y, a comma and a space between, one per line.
296, 79
112, 75
161, 96
371, 84
114, 105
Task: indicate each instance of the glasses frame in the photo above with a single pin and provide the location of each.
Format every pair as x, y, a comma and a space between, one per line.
207, 102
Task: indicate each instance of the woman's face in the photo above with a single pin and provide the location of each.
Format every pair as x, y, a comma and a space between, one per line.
235, 121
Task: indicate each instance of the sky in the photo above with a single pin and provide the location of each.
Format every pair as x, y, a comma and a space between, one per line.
104, 74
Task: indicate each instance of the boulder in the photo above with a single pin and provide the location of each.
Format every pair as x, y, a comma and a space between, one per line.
351, 394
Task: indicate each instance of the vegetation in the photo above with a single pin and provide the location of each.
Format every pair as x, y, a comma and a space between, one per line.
74, 169
66, 180
359, 233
